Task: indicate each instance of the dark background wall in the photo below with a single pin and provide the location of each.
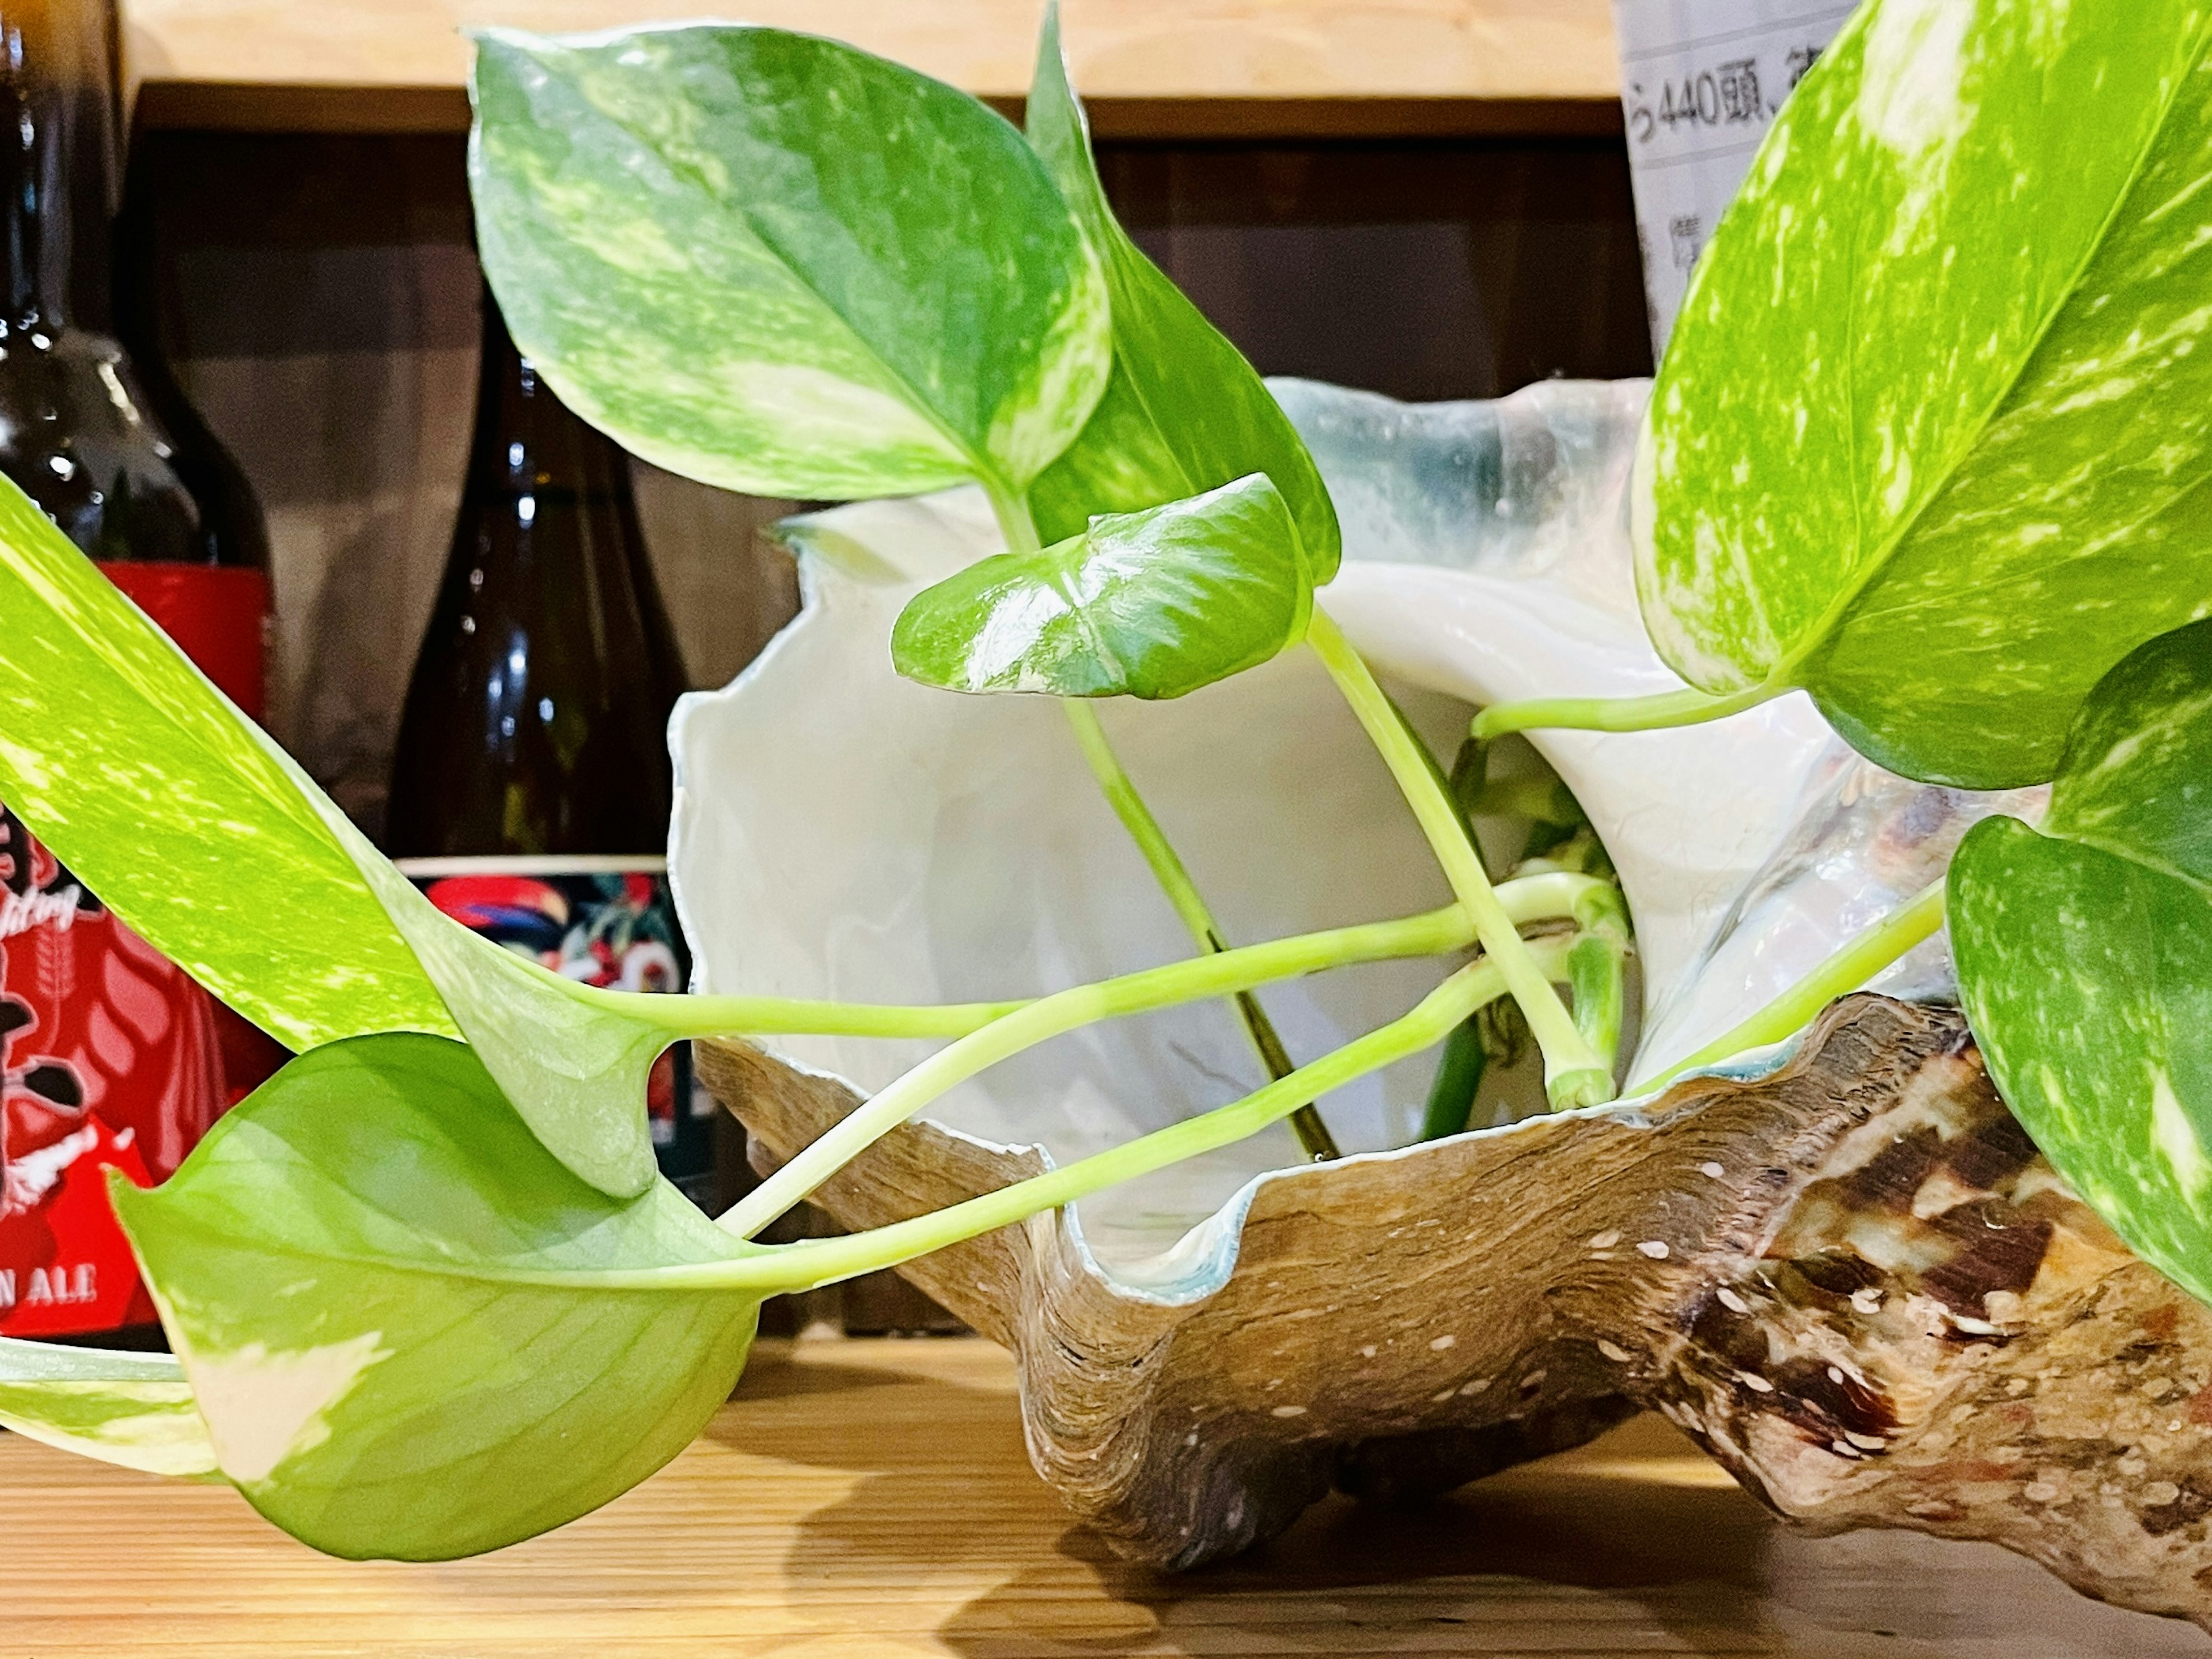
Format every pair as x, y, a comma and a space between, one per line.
318, 296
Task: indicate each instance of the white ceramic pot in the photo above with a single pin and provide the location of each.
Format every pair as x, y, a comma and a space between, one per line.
840, 832
1839, 1264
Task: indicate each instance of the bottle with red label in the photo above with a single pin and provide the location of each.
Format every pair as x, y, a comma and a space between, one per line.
110, 1055
532, 783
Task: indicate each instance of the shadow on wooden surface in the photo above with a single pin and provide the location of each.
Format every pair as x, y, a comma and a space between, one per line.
871, 1498
1635, 1544
1647, 1553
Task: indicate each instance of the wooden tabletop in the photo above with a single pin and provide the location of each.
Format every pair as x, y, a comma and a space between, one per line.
1151, 67
871, 1498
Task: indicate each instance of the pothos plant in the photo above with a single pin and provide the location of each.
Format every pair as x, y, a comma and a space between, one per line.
1930, 443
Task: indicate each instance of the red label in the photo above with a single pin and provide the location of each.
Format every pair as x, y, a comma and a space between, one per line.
110, 1057
218, 614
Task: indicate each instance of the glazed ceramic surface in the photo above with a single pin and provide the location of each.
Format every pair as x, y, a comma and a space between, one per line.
840, 832
1487, 556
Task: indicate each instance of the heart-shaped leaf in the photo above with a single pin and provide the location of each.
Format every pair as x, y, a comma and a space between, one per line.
134, 1409
170, 804
1183, 412
411, 1331
2085, 956
2137, 776
1933, 435
209, 840
781, 265
206, 837
1143, 604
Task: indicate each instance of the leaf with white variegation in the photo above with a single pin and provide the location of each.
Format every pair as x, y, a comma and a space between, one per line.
410, 1330
200, 832
171, 805
2085, 956
1933, 437
134, 1409
1183, 412
779, 264
1147, 605
208, 839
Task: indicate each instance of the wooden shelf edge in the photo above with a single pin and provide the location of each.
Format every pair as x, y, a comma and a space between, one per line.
242, 106
239, 107
1297, 118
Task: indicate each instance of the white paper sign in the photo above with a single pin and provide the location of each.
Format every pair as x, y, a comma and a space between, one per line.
1700, 81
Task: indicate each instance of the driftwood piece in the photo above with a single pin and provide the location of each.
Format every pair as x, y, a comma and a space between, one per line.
1853, 1280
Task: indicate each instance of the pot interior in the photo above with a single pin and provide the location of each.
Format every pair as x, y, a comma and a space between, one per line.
844, 834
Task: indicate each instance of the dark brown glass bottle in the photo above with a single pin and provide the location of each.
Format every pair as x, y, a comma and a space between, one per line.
106, 446
109, 1056
531, 785
537, 719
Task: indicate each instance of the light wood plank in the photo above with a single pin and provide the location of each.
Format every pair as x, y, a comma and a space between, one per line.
1166, 68
865, 1499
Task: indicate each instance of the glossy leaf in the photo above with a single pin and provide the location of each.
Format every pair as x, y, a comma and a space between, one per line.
1933, 435
1144, 605
206, 837
167, 803
2085, 956
2137, 776
411, 1331
779, 264
1183, 412
134, 1409
574, 1060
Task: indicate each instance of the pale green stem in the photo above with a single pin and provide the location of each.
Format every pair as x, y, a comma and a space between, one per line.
1546, 897
1018, 527
1553, 895
822, 1262
1841, 973
1221, 974
1574, 1073
1688, 706
1597, 970
735, 1016
1121, 792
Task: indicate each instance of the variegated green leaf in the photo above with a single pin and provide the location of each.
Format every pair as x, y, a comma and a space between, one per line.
2137, 776
134, 1409
575, 1060
2085, 956
1933, 435
412, 1332
170, 805
1183, 412
206, 837
1143, 604
779, 264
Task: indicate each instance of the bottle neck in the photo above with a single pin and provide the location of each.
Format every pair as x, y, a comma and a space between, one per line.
527, 443
535, 721
58, 162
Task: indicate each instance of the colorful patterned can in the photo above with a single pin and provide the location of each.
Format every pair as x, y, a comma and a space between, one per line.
111, 1059
606, 922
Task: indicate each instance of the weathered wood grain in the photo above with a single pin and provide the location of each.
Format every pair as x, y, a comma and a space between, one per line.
1854, 1281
